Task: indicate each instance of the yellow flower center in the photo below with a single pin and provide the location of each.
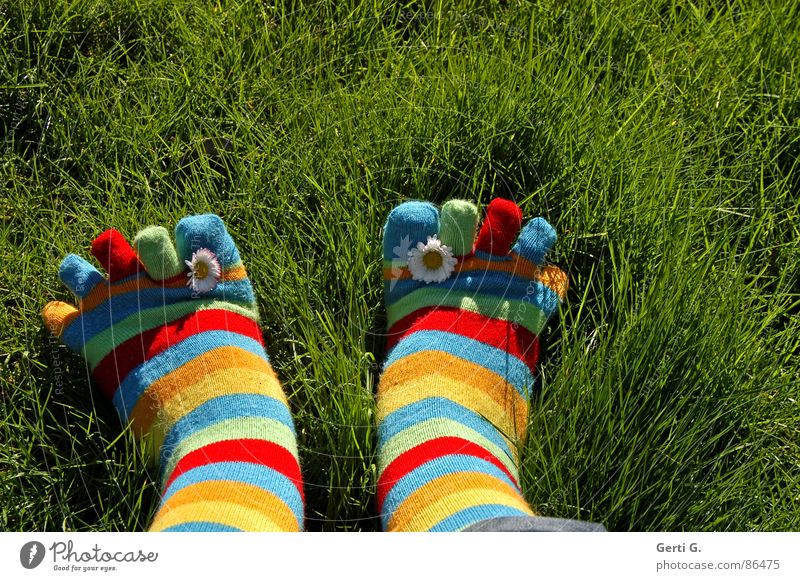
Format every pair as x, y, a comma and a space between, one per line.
432, 260
200, 270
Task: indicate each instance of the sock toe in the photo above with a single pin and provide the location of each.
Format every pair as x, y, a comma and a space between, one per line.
115, 254
407, 224
79, 275
459, 222
536, 240
157, 253
500, 227
58, 315
206, 231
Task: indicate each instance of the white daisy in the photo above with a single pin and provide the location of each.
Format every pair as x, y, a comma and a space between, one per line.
204, 271
431, 262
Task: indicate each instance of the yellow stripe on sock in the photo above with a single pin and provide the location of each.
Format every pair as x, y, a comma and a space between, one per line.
224, 513
220, 383
432, 362
505, 418
449, 494
194, 383
236, 504
438, 374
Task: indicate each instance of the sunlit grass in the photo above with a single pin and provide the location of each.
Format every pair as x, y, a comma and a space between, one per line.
662, 143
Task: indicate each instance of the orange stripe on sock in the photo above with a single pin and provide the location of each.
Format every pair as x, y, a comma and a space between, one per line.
220, 501
224, 513
218, 383
446, 495
226, 364
102, 293
551, 276
439, 374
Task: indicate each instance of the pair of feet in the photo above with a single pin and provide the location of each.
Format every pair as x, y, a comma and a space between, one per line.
171, 337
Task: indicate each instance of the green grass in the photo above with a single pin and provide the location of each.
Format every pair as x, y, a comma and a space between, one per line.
661, 139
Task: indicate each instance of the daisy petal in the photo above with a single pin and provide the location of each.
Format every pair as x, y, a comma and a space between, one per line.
431, 262
205, 271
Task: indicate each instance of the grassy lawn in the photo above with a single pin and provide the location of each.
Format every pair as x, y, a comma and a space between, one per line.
661, 140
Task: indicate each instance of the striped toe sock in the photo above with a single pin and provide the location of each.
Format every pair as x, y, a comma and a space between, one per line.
464, 315
171, 337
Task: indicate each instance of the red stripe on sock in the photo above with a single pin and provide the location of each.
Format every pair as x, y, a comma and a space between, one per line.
248, 450
436, 448
510, 337
130, 354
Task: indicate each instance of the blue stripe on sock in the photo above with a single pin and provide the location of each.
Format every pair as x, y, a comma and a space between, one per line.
437, 407
131, 388
474, 514
514, 370
122, 306
249, 473
201, 526
485, 282
224, 407
449, 464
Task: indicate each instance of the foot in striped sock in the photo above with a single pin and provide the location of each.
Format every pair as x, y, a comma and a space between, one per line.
463, 326
171, 337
